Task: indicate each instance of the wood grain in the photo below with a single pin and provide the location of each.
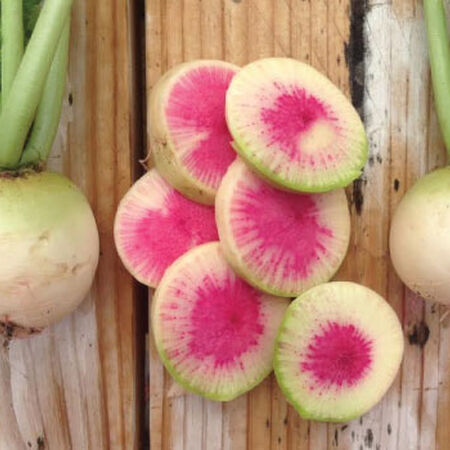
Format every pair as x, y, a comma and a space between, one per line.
75, 385
239, 31
404, 143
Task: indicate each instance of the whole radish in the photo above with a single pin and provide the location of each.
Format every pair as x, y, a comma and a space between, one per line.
48, 236
420, 231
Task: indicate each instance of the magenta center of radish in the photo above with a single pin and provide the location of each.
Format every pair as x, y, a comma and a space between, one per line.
196, 119
226, 321
162, 235
282, 229
293, 113
339, 356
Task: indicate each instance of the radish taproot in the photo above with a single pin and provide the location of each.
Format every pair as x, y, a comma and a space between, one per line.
337, 352
190, 141
49, 243
48, 246
281, 242
155, 225
214, 332
293, 126
419, 235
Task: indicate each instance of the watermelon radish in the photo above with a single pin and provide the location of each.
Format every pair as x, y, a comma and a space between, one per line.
337, 352
281, 242
50, 247
294, 126
190, 140
49, 243
155, 225
213, 331
419, 236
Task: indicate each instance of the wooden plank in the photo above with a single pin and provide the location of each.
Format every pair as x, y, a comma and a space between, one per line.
338, 31
300, 29
399, 59
260, 44
415, 88
436, 380
234, 425
435, 410
404, 143
153, 63
238, 31
236, 41
74, 385
279, 406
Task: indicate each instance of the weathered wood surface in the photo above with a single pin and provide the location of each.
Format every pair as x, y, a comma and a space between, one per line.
390, 82
74, 387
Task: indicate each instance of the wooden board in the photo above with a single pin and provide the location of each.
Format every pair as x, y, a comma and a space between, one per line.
75, 385
383, 63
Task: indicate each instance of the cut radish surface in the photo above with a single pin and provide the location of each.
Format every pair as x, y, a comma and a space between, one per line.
281, 242
213, 331
190, 141
155, 225
338, 350
294, 126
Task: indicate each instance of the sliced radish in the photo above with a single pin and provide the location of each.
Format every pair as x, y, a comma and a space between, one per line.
282, 242
294, 126
190, 141
213, 331
338, 350
155, 225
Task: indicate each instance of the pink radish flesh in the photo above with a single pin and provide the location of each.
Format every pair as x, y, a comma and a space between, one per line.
227, 326
273, 219
226, 321
294, 113
339, 355
196, 118
155, 225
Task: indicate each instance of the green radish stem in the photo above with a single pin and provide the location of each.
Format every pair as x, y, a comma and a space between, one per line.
48, 113
12, 42
20, 106
439, 50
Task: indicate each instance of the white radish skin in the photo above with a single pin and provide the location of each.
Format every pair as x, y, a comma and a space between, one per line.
49, 249
420, 237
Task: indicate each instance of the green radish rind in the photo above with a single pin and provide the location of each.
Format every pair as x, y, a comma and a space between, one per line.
233, 253
282, 183
341, 177
379, 305
177, 376
163, 154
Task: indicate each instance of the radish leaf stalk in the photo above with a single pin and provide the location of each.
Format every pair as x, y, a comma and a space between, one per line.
12, 42
31, 11
20, 106
48, 113
439, 51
